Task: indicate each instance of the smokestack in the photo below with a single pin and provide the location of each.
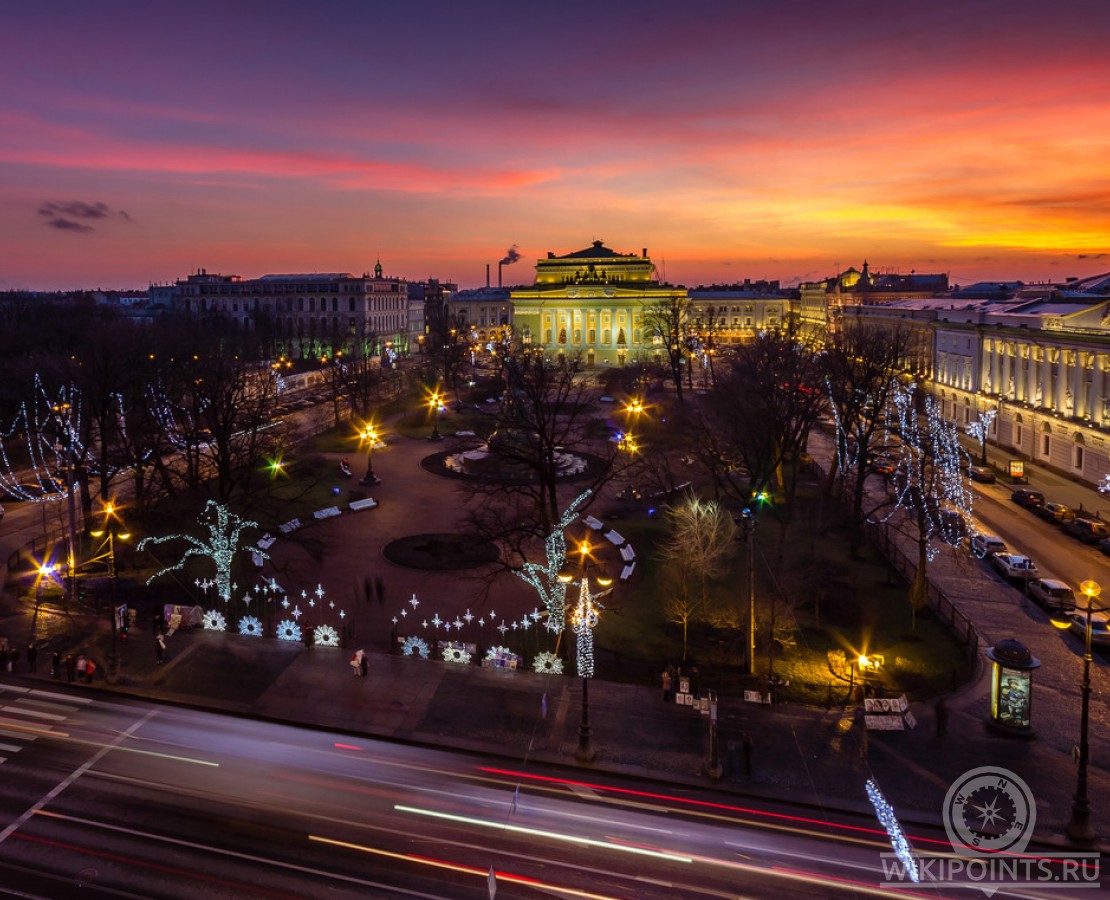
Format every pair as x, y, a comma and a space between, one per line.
499, 265
645, 252
487, 274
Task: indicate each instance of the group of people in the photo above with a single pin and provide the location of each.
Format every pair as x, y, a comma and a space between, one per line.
10, 656
360, 664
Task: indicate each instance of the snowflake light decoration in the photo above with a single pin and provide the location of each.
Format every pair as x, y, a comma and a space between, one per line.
288, 630
325, 636
250, 626
495, 652
456, 655
224, 541
415, 645
214, 621
547, 663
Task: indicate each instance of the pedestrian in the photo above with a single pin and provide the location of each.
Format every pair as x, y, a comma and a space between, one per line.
90, 668
363, 663
82, 665
55, 664
941, 710
747, 753
159, 647
32, 656
379, 589
71, 669
4, 660
13, 659
666, 686
356, 663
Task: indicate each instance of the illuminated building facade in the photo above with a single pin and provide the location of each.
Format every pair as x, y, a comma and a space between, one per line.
591, 302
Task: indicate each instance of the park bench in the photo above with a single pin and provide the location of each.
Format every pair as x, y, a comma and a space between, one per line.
290, 526
627, 571
615, 538
628, 554
368, 503
327, 513
595, 524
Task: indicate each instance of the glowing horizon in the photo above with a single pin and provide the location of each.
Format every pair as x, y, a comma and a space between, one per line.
734, 141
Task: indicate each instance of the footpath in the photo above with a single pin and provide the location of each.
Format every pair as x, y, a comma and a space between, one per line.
817, 757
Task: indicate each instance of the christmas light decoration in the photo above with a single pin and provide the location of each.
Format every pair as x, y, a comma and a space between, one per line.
545, 579
224, 541
547, 663
288, 630
325, 636
584, 618
494, 652
889, 821
250, 626
980, 429
413, 645
214, 621
456, 654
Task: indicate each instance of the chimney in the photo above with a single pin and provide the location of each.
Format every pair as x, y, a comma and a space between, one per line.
645, 253
487, 274
499, 274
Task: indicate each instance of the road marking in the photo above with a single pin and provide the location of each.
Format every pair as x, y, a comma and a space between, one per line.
10, 748
22, 735
66, 697
39, 727
36, 713
44, 704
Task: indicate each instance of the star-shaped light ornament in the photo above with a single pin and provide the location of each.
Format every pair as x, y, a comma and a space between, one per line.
296, 612
469, 617
502, 628
319, 592
414, 602
436, 620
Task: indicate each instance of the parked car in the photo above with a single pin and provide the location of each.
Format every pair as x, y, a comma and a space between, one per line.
1104, 545
1087, 530
1016, 566
1052, 594
985, 474
1027, 498
1100, 627
1056, 513
983, 545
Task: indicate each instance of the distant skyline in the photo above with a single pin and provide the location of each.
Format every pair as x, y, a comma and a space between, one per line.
734, 139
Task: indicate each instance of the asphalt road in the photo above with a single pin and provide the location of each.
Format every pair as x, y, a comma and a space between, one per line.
113, 798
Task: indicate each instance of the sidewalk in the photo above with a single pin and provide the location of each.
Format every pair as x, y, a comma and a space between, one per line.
815, 757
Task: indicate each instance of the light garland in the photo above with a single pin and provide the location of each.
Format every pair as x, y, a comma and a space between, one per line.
224, 529
584, 618
889, 821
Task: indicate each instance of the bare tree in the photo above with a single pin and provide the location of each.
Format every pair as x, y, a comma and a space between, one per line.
666, 323
702, 538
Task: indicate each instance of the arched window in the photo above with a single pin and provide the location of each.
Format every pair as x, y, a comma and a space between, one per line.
562, 335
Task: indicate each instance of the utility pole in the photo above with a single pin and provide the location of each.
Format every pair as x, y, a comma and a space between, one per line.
748, 521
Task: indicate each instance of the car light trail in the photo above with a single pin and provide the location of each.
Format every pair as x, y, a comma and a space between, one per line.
459, 867
552, 835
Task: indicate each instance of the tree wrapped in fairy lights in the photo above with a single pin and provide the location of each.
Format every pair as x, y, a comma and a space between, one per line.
545, 578
224, 541
980, 430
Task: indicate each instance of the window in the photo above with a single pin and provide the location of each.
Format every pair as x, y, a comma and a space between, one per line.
1079, 456
562, 335
1047, 447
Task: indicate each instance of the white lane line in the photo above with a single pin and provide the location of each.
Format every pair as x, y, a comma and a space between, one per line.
13, 689
75, 774
3, 759
23, 723
43, 704
66, 697
22, 735
35, 713
10, 748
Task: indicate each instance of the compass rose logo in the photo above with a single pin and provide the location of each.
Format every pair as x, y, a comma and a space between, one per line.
989, 809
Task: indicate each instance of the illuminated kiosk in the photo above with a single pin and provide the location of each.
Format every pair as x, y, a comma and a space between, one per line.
1012, 687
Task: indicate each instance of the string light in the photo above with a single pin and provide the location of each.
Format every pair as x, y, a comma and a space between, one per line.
889, 821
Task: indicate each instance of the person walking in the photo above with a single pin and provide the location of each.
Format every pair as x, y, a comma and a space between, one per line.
82, 665
4, 659
32, 656
90, 668
71, 669
13, 659
666, 686
356, 663
55, 664
159, 647
364, 663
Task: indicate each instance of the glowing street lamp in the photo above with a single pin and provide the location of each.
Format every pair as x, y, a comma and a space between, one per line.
584, 618
435, 404
112, 531
634, 407
369, 436
1079, 827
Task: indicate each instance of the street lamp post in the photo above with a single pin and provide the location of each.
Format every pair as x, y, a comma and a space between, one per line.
369, 436
435, 403
112, 532
1079, 827
748, 521
584, 618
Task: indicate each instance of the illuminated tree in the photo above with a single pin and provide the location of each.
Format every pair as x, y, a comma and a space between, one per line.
224, 541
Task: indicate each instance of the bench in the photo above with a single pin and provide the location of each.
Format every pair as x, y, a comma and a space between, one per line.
615, 538
627, 571
326, 513
266, 541
258, 560
595, 524
368, 503
628, 554
290, 526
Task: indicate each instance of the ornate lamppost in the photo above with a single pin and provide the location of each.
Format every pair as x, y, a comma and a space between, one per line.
1079, 827
435, 404
369, 436
111, 529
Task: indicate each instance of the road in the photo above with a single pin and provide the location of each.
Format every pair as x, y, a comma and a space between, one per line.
126, 798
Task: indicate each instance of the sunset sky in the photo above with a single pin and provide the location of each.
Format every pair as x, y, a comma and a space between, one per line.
735, 139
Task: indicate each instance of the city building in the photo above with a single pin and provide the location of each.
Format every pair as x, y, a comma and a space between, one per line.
591, 302
720, 315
